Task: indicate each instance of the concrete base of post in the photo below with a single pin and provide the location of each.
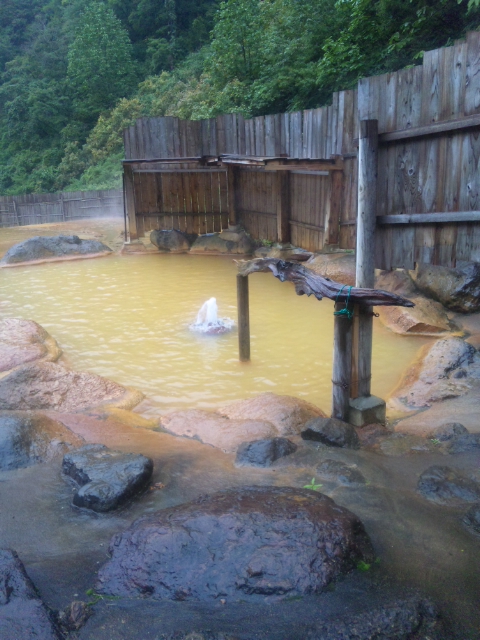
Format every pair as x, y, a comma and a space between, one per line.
366, 410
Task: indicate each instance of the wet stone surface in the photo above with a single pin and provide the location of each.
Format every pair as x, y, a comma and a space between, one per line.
263, 453
445, 486
23, 616
471, 519
107, 478
28, 438
239, 544
39, 248
340, 472
332, 432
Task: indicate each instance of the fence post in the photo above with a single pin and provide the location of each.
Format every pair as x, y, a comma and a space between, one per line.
129, 196
366, 408
342, 364
282, 187
243, 318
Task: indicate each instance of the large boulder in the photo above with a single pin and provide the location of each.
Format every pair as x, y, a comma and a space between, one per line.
426, 318
445, 486
210, 428
107, 478
457, 289
263, 453
442, 370
51, 386
226, 242
171, 241
23, 616
239, 544
29, 438
56, 247
286, 413
284, 252
331, 432
23, 341
339, 267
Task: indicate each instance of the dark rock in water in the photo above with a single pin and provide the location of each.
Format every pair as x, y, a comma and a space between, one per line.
107, 478
340, 472
73, 617
472, 519
226, 242
263, 453
238, 544
41, 248
28, 438
457, 289
172, 240
444, 486
23, 616
331, 432
463, 443
448, 431
402, 619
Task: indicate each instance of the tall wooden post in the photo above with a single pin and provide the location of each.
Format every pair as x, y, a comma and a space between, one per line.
336, 192
342, 364
232, 195
129, 196
282, 183
365, 261
243, 318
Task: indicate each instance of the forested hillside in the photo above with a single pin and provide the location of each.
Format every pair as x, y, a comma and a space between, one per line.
74, 73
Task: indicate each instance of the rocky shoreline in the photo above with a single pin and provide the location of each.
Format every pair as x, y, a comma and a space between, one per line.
109, 493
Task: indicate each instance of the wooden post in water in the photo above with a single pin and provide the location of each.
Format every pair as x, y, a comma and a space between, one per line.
342, 364
243, 318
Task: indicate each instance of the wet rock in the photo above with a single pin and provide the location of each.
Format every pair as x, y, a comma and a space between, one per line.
339, 267
226, 242
427, 318
107, 478
172, 241
448, 431
332, 432
445, 486
457, 289
23, 341
463, 443
30, 438
471, 519
49, 385
45, 248
398, 619
401, 444
432, 377
372, 434
396, 281
339, 472
284, 252
23, 616
73, 617
263, 453
239, 544
210, 428
286, 413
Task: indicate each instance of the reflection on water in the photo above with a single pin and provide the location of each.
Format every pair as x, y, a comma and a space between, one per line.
127, 318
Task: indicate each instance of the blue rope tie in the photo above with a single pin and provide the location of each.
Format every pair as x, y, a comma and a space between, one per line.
344, 312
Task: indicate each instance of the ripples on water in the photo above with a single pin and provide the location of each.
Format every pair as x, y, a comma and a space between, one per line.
127, 318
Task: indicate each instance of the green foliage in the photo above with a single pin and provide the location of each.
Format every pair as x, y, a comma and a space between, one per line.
313, 486
100, 65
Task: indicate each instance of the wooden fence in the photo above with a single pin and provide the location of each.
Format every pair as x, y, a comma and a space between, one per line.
428, 203
39, 208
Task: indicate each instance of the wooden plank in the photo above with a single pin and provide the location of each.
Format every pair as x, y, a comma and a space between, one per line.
241, 135
296, 137
429, 218
282, 192
270, 138
472, 90
129, 196
259, 122
432, 129
232, 198
333, 223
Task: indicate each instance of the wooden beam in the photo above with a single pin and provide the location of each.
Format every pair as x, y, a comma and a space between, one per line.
336, 191
365, 251
435, 128
325, 165
180, 171
282, 193
232, 195
129, 196
428, 218
243, 318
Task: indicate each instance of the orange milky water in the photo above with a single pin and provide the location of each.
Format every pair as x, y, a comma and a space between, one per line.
127, 318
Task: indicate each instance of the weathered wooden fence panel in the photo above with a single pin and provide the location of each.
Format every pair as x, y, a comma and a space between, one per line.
429, 134
40, 208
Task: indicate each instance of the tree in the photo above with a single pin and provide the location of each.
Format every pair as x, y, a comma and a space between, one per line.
100, 65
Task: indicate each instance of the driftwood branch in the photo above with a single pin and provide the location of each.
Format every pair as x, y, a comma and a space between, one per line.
307, 282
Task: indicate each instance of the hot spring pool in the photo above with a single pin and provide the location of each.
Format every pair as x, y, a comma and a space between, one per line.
127, 318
